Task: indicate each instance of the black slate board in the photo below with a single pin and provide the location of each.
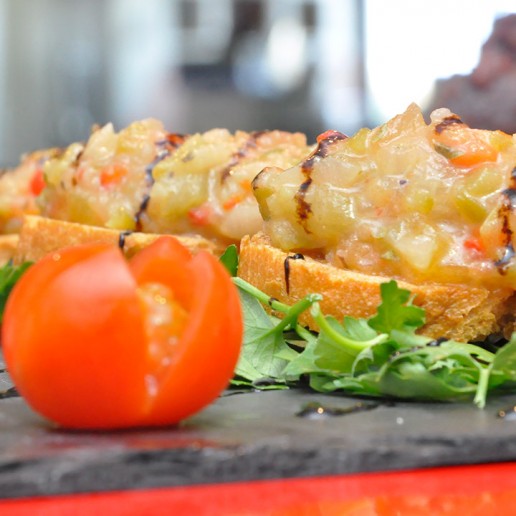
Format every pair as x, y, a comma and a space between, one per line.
247, 436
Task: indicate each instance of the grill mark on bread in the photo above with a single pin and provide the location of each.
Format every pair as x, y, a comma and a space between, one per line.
241, 153
504, 212
303, 208
286, 268
121, 238
447, 122
165, 147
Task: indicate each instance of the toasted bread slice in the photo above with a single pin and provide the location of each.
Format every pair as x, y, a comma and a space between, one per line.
457, 312
8, 245
40, 236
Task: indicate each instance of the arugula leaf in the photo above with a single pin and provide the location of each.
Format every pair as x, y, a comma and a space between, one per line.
9, 275
446, 372
420, 374
335, 348
303, 363
503, 368
263, 342
373, 358
382, 356
504, 362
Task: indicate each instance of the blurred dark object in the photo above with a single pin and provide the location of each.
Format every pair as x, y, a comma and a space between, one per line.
486, 98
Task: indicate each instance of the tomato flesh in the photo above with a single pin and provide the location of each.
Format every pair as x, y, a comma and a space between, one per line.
165, 320
469, 146
112, 174
37, 182
112, 344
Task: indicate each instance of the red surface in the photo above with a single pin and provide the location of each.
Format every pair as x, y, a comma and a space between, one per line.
470, 490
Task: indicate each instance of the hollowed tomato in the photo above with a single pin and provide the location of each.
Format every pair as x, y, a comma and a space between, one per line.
92, 340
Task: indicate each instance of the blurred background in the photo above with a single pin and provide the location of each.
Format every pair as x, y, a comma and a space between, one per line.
298, 65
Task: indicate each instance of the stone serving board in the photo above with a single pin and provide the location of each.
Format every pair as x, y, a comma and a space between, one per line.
249, 436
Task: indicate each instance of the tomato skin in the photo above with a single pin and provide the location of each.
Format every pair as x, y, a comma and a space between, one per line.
80, 355
214, 333
57, 351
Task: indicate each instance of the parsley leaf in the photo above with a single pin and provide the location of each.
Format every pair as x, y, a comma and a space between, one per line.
396, 311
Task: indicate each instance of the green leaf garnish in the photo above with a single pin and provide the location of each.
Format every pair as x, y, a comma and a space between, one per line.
396, 311
9, 275
230, 259
380, 357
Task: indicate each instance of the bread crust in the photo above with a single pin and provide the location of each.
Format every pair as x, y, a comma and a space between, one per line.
8, 245
40, 236
457, 312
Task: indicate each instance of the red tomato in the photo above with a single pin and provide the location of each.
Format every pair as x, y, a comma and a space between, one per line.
200, 216
94, 341
112, 174
472, 146
37, 183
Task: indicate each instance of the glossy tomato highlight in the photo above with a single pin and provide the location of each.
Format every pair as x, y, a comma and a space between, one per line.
94, 341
